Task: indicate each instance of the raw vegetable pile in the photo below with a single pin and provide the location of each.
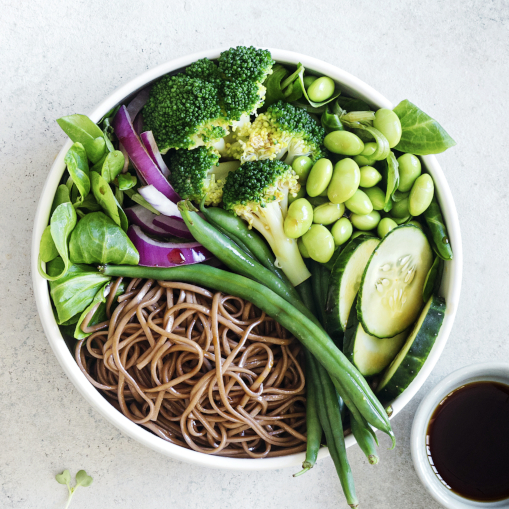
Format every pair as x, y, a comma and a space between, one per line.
315, 203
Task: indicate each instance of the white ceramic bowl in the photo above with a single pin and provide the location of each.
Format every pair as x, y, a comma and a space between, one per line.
350, 85
488, 371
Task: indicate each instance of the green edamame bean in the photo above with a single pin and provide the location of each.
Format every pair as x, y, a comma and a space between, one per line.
376, 197
369, 149
402, 220
308, 80
409, 170
367, 221
388, 123
323, 194
344, 143
421, 195
345, 180
359, 203
302, 248
319, 177
328, 213
342, 231
321, 89
400, 208
316, 201
369, 176
319, 243
298, 219
385, 226
415, 223
300, 194
363, 160
302, 166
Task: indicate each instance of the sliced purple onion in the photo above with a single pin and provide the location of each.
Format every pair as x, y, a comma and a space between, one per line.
172, 226
135, 106
142, 217
159, 201
154, 253
150, 144
138, 123
139, 156
126, 157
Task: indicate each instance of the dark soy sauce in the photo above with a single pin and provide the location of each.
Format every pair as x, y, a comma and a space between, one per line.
468, 441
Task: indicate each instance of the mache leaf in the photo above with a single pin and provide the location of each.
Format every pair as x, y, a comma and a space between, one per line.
77, 165
47, 250
112, 166
62, 195
104, 196
421, 134
126, 181
97, 239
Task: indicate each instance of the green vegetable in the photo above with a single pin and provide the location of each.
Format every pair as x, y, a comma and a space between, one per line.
344, 182
366, 222
62, 223
359, 203
302, 166
82, 130
392, 179
82, 479
112, 165
89, 203
298, 219
421, 134
421, 195
365, 440
97, 239
77, 165
438, 230
385, 226
273, 83
399, 209
433, 279
321, 89
344, 143
350, 104
409, 170
137, 198
341, 231
258, 193
47, 250
319, 177
105, 197
62, 195
369, 176
376, 197
197, 174
328, 213
302, 249
73, 292
398, 196
319, 243
388, 123
331, 121
126, 181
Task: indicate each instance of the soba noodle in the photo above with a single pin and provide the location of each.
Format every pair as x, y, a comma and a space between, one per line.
202, 370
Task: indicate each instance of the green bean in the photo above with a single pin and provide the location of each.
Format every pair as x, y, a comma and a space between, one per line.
388, 123
359, 203
342, 231
345, 181
376, 197
369, 176
301, 194
302, 166
319, 283
308, 80
328, 213
321, 89
319, 177
421, 195
365, 440
330, 419
409, 170
311, 335
385, 226
319, 243
344, 143
302, 249
367, 221
400, 208
298, 219
438, 230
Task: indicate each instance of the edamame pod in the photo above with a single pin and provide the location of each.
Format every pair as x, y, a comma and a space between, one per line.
388, 123
359, 203
345, 181
341, 231
321, 89
421, 195
369, 176
302, 166
328, 213
344, 143
366, 222
319, 243
376, 197
298, 219
409, 170
319, 177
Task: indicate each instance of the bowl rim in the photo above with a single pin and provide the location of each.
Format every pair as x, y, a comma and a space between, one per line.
352, 86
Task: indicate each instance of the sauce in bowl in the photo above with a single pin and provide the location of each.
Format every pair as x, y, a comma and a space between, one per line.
468, 441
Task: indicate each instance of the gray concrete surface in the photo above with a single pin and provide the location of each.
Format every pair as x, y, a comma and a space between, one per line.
59, 57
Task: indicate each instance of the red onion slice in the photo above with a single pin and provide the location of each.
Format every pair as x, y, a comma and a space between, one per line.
154, 253
126, 157
159, 201
150, 144
172, 226
142, 217
135, 106
139, 156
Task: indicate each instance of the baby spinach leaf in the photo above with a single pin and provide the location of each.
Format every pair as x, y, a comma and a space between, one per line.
73, 292
89, 203
97, 239
392, 179
100, 313
421, 134
47, 250
104, 196
126, 181
81, 129
112, 165
77, 165
62, 195
62, 223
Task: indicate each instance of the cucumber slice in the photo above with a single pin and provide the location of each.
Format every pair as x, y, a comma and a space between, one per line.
345, 281
410, 359
368, 354
390, 296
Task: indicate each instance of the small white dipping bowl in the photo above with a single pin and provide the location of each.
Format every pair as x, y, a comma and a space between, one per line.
350, 85
489, 372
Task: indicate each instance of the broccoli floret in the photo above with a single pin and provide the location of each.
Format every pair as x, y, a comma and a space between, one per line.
204, 69
283, 130
184, 112
258, 192
197, 173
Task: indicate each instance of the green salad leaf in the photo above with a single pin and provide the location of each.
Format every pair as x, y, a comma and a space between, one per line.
82, 479
274, 93
126, 181
47, 250
112, 166
105, 197
421, 134
62, 195
77, 165
73, 292
97, 239
349, 104
89, 203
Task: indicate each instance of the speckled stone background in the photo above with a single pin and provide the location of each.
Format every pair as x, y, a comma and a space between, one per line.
59, 57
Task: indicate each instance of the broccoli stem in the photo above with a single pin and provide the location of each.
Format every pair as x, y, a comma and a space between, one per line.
269, 222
